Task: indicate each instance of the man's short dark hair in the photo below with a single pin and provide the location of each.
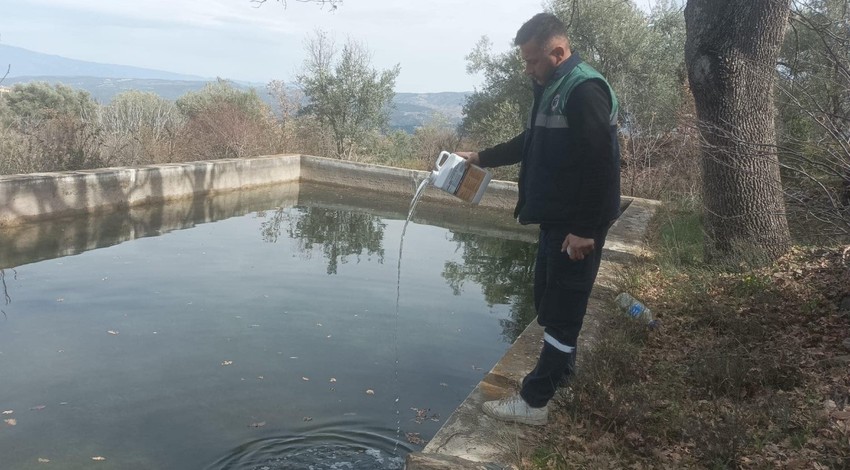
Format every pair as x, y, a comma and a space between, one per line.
541, 28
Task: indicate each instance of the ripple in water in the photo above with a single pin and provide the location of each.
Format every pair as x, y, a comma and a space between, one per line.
347, 450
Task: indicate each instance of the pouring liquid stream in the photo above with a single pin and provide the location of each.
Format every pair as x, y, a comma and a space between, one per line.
416, 197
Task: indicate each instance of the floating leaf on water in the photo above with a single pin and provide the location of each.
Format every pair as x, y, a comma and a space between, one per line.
43, 460
11, 421
413, 438
370, 392
226, 363
38, 407
98, 458
257, 425
112, 332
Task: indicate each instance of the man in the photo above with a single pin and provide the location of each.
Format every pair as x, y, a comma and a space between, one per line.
569, 184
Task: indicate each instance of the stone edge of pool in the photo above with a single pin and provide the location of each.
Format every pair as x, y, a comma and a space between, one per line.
468, 439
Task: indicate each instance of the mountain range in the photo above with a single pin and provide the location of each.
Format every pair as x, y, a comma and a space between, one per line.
104, 81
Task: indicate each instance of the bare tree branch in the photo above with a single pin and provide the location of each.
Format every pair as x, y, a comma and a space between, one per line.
333, 4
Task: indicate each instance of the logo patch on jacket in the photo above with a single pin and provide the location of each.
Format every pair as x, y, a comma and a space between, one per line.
555, 100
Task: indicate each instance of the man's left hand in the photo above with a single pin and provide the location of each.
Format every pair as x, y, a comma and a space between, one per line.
577, 247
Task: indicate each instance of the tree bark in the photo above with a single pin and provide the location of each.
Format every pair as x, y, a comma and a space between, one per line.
731, 52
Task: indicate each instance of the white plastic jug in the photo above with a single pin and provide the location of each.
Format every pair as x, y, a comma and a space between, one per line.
455, 177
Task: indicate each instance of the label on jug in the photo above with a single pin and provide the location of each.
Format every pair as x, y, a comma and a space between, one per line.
472, 180
454, 176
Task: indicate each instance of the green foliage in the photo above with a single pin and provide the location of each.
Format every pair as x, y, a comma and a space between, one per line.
56, 127
640, 54
347, 95
224, 122
395, 149
40, 101
432, 138
139, 111
140, 128
219, 94
497, 112
681, 235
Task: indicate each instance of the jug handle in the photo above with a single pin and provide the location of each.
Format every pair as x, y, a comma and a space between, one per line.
440, 157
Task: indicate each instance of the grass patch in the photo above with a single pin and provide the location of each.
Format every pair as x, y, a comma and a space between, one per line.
747, 370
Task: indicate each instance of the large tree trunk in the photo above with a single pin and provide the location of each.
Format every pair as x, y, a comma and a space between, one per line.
731, 52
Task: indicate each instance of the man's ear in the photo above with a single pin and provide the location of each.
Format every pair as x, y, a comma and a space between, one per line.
559, 53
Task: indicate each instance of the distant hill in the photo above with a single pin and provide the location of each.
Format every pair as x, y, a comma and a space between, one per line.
104, 89
25, 62
104, 81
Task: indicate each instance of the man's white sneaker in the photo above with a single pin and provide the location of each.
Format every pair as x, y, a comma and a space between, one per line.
515, 409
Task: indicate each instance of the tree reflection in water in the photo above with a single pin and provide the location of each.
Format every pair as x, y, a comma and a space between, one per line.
503, 268
339, 233
505, 271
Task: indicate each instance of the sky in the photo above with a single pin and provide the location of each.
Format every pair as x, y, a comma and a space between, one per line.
237, 40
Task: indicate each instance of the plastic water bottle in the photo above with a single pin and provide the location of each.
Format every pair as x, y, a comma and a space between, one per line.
635, 309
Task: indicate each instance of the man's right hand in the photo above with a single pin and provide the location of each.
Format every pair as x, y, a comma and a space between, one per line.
471, 157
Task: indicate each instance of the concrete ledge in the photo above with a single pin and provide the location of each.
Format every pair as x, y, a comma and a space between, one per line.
42, 196
447, 462
398, 181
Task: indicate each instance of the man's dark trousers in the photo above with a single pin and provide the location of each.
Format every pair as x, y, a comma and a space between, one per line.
561, 292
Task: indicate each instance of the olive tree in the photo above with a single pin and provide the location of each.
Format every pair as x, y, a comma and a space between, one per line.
345, 94
226, 122
140, 128
731, 52
60, 125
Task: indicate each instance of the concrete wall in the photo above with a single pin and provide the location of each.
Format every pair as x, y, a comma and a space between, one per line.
44, 196
388, 180
41, 196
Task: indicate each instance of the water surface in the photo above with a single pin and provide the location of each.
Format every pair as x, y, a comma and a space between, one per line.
260, 336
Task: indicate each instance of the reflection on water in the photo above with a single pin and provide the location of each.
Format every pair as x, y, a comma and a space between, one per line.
339, 233
249, 334
505, 271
